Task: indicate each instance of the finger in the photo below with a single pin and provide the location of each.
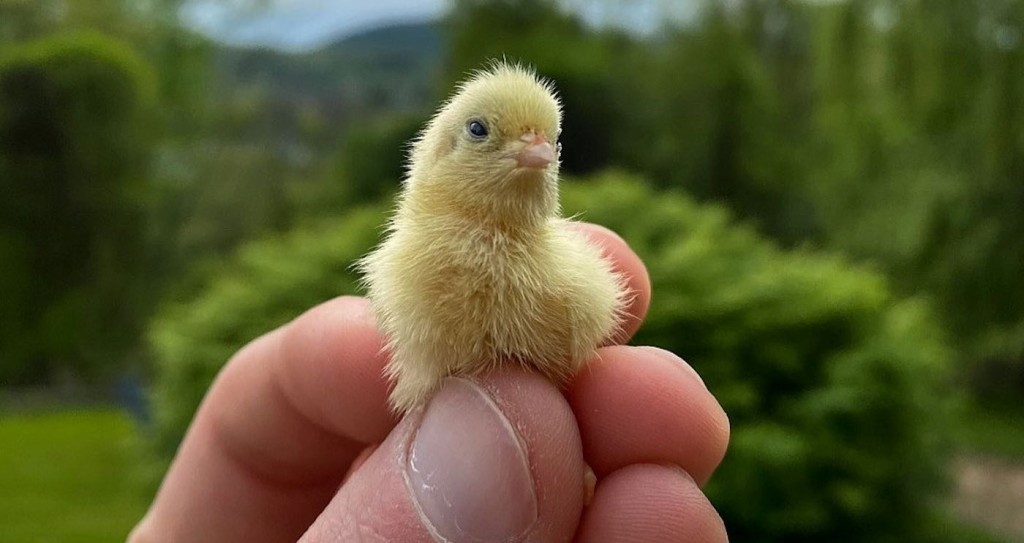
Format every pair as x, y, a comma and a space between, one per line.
287, 417
497, 459
647, 502
276, 432
628, 264
645, 405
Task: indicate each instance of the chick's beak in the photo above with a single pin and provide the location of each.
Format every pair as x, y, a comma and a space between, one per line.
538, 153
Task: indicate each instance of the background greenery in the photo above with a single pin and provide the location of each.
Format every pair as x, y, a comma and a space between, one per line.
828, 196
71, 477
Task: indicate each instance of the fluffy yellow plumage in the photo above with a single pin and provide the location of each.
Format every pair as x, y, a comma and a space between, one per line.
478, 268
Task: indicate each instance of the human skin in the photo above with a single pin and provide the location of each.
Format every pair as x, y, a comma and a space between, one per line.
295, 440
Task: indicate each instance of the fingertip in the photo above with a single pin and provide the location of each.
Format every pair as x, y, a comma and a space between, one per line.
536, 412
649, 502
600, 232
493, 458
331, 365
629, 265
643, 405
547, 427
340, 311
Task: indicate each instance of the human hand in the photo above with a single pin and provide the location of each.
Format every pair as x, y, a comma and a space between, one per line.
295, 439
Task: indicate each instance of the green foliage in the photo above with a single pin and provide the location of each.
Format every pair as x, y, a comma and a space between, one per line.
996, 430
266, 284
129, 20
562, 49
890, 131
373, 157
919, 134
834, 389
72, 154
693, 107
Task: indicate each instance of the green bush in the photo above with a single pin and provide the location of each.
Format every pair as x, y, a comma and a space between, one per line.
266, 284
833, 387
74, 112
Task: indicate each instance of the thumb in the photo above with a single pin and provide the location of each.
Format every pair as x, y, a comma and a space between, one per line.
491, 460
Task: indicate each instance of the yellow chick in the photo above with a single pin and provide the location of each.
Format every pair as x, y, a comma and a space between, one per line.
478, 267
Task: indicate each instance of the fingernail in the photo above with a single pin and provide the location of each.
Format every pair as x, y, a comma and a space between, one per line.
467, 470
671, 357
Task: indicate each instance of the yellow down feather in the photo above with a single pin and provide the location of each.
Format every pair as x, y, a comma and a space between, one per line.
478, 268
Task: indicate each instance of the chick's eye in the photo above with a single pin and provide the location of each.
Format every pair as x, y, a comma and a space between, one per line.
477, 129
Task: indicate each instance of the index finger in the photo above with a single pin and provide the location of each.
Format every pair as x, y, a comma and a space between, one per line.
287, 416
626, 263
274, 435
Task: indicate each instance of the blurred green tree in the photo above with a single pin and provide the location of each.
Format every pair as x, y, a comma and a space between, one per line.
888, 130
917, 146
692, 107
265, 284
372, 158
562, 49
975, 251
832, 385
722, 136
72, 160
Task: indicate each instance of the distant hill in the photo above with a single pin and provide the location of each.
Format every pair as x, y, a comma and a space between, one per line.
416, 37
393, 68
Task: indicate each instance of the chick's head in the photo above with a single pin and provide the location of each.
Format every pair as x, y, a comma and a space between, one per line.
493, 147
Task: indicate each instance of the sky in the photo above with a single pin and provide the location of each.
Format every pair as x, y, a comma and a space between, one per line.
306, 24
302, 24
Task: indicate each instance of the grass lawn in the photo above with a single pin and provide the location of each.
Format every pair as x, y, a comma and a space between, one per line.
68, 476
75, 476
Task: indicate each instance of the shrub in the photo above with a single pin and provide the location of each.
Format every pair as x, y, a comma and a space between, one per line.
265, 284
832, 386
74, 129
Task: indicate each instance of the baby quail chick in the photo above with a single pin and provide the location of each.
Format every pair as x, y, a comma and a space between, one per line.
478, 268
